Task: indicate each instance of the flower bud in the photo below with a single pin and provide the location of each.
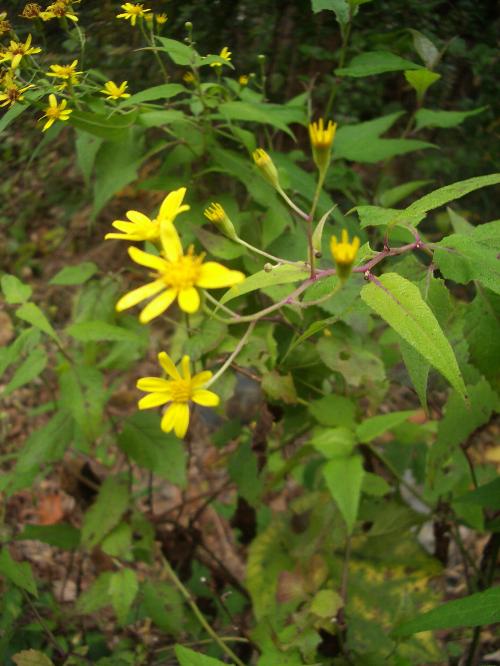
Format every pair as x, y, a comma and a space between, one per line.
344, 254
216, 214
267, 167
321, 142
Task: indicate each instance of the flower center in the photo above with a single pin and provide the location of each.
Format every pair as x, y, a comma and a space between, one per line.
181, 390
184, 272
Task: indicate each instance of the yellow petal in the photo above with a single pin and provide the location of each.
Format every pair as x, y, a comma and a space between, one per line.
205, 398
201, 378
189, 300
214, 275
138, 218
154, 400
126, 227
186, 370
157, 306
153, 384
171, 205
170, 241
176, 418
168, 365
140, 294
146, 259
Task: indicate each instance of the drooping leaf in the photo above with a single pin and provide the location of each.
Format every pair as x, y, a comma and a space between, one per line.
282, 274
32, 314
112, 128
395, 194
279, 387
445, 119
487, 495
418, 369
375, 426
344, 478
400, 303
164, 91
339, 7
421, 80
14, 290
62, 535
97, 331
18, 573
188, 657
122, 589
375, 62
73, 275
106, 512
181, 53
243, 470
29, 369
425, 49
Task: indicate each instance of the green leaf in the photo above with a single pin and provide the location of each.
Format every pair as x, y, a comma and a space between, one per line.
473, 256
334, 442
10, 115
421, 80
333, 410
33, 315
86, 146
340, 7
18, 573
282, 274
425, 49
96, 331
72, 275
164, 605
487, 496
344, 478
122, 589
119, 541
211, 333
96, 596
243, 470
181, 54
160, 118
445, 119
362, 142
112, 128
31, 368
189, 657
145, 442
374, 426
418, 370
312, 329
14, 290
326, 604
482, 323
164, 91
396, 194
62, 535
478, 609
266, 114
375, 62
106, 512
400, 304
375, 216
31, 658
218, 245
279, 387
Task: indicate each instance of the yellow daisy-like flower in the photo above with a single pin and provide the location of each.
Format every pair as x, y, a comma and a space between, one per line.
132, 11
179, 391
344, 253
140, 227
161, 19
4, 23
176, 277
55, 112
225, 54
60, 9
115, 92
67, 73
17, 50
12, 92
266, 165
243, 80
32, 10
321, 142
189, 78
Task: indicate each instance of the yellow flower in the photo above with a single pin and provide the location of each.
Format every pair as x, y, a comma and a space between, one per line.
4, 23
66, 72
179, 391
344, 253
60, 9
216, 214
176, 277
16, 50
55, 112
31, 10
141, 227
225, 54
321, 142
243, 80
266, 165
132, 12
12, 92
189, 78
161, 18
115, 92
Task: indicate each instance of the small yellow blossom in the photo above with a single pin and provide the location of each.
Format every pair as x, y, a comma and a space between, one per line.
216, 214
225, 54
344, 253
115, 92
12, 93
4, 24
60, 9
141, 227
321, 142
55, 112
31, 10
189, 78
161, 18
266, 165
243, 80
16, 50
67, 73
176, 277
179, 391
132, 11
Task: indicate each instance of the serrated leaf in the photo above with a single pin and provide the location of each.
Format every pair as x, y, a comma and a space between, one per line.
421, 80
375, 62
279, 387
164, 91
282, 274
29, 369
33, 315
418, 370
189, 657
181, 53
478, 609
122, 589
396, 194
400, 304
374, 426
14, 290
97, 331
106, 512
445, 119
344, 478
72, 275
31, 658
18, 573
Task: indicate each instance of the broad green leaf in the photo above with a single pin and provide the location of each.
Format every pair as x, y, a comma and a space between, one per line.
145, 442
375, 216
29, 369
106, 512
438, 118
418, 369
375, 485
10, 115
210, 333
18, 573
25, 342
340, 7
279, 387
181, 53
86, 146
164, 91
217, 245
326, 604
96, 331
118, 542
312, 329
122, 589
96, 596
473, 256
31, 658
374, 426
333, 410
113, 128
14, 290
421, 80
482, 608
356, 363
282, 274
487, 496
243, 470
482, 323
400, 304
459, 223
267, 114
164, 605
425, 49
72, 275
33, 315
160, 118
395, 194
344, 478
189, 657
62, 535
375, 62
333, 442
362, 142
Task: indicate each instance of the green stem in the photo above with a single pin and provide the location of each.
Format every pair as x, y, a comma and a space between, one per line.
232, 356
292, 205
343, 52
278, 260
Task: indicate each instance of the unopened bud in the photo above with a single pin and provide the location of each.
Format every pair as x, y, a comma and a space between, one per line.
268, 268
266, 166
216, 214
